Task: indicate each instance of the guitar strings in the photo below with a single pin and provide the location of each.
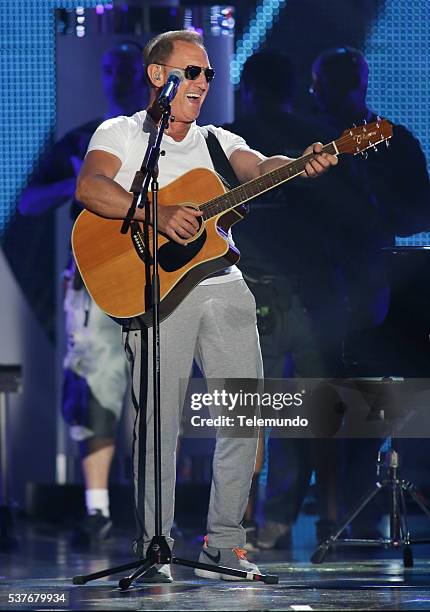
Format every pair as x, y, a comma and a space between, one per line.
212, 206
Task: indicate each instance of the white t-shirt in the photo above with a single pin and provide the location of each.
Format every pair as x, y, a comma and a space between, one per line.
127, 138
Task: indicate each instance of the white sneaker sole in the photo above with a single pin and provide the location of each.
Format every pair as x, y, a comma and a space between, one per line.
217, 576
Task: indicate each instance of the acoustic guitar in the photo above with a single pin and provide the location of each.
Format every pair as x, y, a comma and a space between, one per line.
116, 268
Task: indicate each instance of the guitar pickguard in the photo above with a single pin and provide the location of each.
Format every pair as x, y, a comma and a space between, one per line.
172, 256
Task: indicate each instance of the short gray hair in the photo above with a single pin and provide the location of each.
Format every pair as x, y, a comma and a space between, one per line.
159, 49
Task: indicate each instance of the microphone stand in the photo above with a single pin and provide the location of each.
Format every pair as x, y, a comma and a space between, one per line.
158, 552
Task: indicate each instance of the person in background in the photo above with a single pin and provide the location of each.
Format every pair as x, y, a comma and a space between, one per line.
318, 265
393, 186
96, 373
286, 262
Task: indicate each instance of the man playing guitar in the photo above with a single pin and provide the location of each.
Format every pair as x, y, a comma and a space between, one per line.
215, 322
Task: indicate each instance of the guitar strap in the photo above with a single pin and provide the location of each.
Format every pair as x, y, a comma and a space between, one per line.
220, 160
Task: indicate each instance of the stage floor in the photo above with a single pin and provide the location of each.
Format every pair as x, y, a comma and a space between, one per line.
369, 579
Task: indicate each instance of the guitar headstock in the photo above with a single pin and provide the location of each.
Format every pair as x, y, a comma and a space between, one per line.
358, 139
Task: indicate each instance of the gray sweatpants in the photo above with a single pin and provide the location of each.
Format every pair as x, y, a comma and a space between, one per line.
216, 324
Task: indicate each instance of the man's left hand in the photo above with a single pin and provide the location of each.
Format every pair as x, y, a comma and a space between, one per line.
320, 163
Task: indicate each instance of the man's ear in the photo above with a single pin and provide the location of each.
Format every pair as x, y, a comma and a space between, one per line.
155, 74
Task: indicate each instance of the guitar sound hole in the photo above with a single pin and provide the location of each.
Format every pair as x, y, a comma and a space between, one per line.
173, 256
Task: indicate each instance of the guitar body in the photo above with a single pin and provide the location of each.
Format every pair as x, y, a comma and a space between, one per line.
116, 268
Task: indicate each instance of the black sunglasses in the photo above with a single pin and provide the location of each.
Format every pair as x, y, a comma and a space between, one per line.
192, 72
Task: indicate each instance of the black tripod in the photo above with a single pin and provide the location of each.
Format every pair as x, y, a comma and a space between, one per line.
158, 552
396, 488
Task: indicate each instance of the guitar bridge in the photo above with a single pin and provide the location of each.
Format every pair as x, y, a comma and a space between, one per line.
139, 244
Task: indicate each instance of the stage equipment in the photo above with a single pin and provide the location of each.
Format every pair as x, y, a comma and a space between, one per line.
10, 382
158, 552
388, 464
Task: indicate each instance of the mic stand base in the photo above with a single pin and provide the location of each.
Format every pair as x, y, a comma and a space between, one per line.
159, 553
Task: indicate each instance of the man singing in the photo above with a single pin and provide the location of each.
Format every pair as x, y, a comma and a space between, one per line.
215, 323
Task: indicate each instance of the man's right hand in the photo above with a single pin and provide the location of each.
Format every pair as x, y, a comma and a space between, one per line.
180, 223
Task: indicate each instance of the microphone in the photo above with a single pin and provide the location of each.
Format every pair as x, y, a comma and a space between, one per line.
170, 88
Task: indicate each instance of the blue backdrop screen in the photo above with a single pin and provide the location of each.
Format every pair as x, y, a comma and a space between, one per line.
397, 49
27, 82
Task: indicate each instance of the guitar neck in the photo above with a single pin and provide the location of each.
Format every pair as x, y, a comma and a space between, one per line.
260, 185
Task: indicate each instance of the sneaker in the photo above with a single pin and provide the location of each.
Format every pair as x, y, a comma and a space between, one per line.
234, 558
274, 535
94, 528
251, 535
157, 574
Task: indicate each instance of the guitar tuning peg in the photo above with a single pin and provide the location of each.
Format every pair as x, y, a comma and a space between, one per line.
387, 143
354, 125
375, 148
365, 154
364, 122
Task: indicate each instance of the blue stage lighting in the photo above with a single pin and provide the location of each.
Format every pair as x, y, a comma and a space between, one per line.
258, 28
399, 85
27, 81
